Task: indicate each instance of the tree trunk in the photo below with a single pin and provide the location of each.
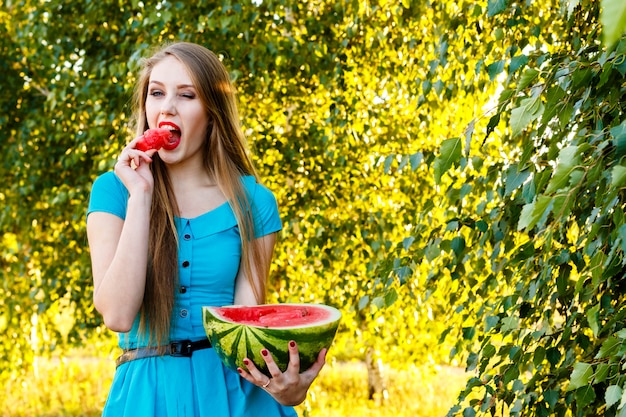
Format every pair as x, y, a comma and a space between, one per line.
375, 377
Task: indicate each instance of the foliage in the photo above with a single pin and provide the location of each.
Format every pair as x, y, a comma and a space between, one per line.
328, 94
531, 258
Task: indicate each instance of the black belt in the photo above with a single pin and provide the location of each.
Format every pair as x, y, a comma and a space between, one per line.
183, 348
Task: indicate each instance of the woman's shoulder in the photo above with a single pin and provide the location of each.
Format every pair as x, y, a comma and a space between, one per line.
108, 179
108, 194
256, 190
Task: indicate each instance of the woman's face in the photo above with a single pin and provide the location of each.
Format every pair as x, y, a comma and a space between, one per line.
173, 103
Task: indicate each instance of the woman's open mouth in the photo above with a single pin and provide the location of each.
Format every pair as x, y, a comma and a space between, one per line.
176, 135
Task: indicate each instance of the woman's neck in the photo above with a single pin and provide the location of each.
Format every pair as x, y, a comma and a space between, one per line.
195, 191
189, 175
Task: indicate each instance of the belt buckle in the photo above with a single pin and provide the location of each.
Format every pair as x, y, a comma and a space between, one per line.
181, 349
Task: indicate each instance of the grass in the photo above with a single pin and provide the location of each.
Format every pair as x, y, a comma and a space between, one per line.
67, 387
76, 386
342, 390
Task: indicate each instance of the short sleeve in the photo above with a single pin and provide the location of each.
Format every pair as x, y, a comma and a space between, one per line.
265, 208
108, 195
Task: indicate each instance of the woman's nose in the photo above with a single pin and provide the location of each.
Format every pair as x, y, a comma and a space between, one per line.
168, 106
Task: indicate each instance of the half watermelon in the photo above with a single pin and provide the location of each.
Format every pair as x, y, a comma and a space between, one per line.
238, 332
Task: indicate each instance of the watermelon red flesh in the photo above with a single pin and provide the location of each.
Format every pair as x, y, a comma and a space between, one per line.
276, 315
238, 332
156, 139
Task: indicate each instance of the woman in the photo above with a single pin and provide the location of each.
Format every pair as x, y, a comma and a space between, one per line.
175, 229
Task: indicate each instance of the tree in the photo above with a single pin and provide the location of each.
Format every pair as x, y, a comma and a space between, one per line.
320, 116
530, 252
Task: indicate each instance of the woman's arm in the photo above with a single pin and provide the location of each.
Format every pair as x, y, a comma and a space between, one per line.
119, 248
244, 292
119, 260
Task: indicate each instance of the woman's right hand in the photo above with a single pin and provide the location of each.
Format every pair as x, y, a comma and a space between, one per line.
133, 168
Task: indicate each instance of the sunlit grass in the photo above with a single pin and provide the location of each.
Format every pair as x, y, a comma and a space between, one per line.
71, 386
77, 386
342, 390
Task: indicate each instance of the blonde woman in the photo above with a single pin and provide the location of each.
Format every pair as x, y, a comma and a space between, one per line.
175, 229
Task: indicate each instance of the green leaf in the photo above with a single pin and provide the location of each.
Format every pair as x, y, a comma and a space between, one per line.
468, 333
529, 109
494, 69
469, 412
491, 322
510, 374
602, 372
569, 158
527, 77
609, 347
619, 139
458, 245
363, 302
391, 297
622, 403
517, 62
553, 355
416, 159
621, 232
535, 212
520, 118
509, 324
450, 153
514, 179
612, 395
585, 396
551, 397
581, 375
489, 350
426, 86
378, 302
613, 19
496, 6
388, 161
592, 319
471, 362
539, 355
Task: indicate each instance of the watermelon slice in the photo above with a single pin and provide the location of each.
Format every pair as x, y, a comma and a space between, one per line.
238, 332
156, 139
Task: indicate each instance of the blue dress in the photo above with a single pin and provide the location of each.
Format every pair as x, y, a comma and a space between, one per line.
209, 255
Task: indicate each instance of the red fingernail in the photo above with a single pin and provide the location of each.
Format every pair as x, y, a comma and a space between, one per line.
292, 344
246, 362
264, 352
240, 370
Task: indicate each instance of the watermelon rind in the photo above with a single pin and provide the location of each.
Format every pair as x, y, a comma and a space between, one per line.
235, 341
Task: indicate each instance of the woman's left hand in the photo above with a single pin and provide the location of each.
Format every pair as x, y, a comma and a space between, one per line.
289, 387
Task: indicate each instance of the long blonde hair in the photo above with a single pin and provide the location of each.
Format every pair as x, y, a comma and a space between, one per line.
226, 159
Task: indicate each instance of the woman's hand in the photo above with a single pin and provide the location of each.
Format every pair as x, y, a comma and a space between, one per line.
289, 387
133, 168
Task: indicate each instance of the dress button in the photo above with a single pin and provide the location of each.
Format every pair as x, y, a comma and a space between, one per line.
185, 264
183, 313
187, 236
182, 289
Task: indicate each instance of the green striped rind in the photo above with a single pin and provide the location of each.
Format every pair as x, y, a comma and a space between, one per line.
233, 342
